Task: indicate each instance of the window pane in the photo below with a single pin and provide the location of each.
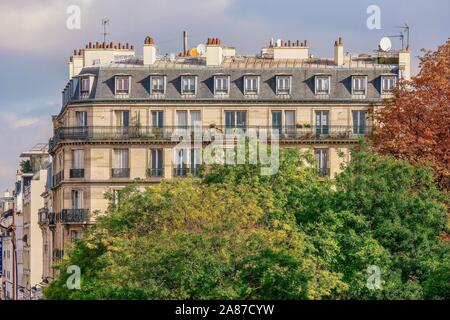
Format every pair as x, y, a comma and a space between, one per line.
182, 118
196, 118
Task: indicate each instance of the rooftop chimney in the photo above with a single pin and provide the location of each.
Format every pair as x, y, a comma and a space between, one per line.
339, 52
214, 52
185, 41
149, 51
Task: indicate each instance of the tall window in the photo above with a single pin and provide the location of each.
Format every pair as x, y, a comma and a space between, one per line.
196, 154
81, 117
221, 84
77, 170
290, 122
359, 84
388, 83
251, 84
359, 122
322, 84
122, 84
77, 199
236, 119
277, 121
182, 119
157, 119
322, 161
156, 163
121, 167
283, 84
188, 84
322, 122
123, 118
196, 118
157, 84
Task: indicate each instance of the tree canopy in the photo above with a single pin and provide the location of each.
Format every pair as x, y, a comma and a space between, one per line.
234, 234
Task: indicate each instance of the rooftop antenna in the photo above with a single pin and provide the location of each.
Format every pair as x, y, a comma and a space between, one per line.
405, 30
402, 38
105, 24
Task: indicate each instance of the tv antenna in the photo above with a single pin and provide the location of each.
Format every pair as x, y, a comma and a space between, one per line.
105, 24
405, 30
402, 38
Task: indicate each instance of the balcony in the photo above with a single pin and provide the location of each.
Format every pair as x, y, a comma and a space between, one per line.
76, 173
184, 171
120, 172
73, 216
286, 133
46, 218
58, 178
155, 172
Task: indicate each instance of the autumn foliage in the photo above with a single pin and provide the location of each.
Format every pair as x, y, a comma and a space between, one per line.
415, 124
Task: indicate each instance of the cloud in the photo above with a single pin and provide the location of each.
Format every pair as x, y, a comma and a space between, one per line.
24, 122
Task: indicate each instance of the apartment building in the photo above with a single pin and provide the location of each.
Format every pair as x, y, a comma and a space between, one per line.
32, 234
7, 246
120, 112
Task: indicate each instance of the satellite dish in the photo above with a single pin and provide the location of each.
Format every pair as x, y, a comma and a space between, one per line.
201, 49
385, 44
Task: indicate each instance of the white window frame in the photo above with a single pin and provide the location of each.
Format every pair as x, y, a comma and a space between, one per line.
220, 91
246, 89
116, 86
357, 77
316, 84
282, 91
185, 78
164, 84
383, 78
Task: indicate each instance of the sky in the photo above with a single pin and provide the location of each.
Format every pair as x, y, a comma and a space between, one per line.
35, 43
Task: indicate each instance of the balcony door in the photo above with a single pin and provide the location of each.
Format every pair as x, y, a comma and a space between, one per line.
81, 124
77, 170
322, 122
77, 199
156, 162
359, 122
236, 119
290, 122
121, 164
322, 161
277, 121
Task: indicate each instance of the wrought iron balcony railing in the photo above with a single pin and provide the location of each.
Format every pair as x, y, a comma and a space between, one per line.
58, 178
155, 172
120, 172
46, 218
73, 216
286, 133
183, 171
76, 173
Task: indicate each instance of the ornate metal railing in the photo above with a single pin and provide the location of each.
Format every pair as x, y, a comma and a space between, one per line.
155, 172
167, 133
120, 172
73, 216
58, 178
183, 171
76, 173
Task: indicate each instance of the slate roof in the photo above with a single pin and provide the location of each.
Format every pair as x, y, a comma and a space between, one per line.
302, 88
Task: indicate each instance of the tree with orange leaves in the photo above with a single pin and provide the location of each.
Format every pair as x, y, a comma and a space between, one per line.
415, 124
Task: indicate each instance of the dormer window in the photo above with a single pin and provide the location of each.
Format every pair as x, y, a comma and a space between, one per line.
322, 84
189, 85
359, 85
123, 85
157, 84
251, 84
85, 87
221, 84
283, 84
388, 83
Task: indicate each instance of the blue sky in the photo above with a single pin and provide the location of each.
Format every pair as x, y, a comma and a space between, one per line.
35, 43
